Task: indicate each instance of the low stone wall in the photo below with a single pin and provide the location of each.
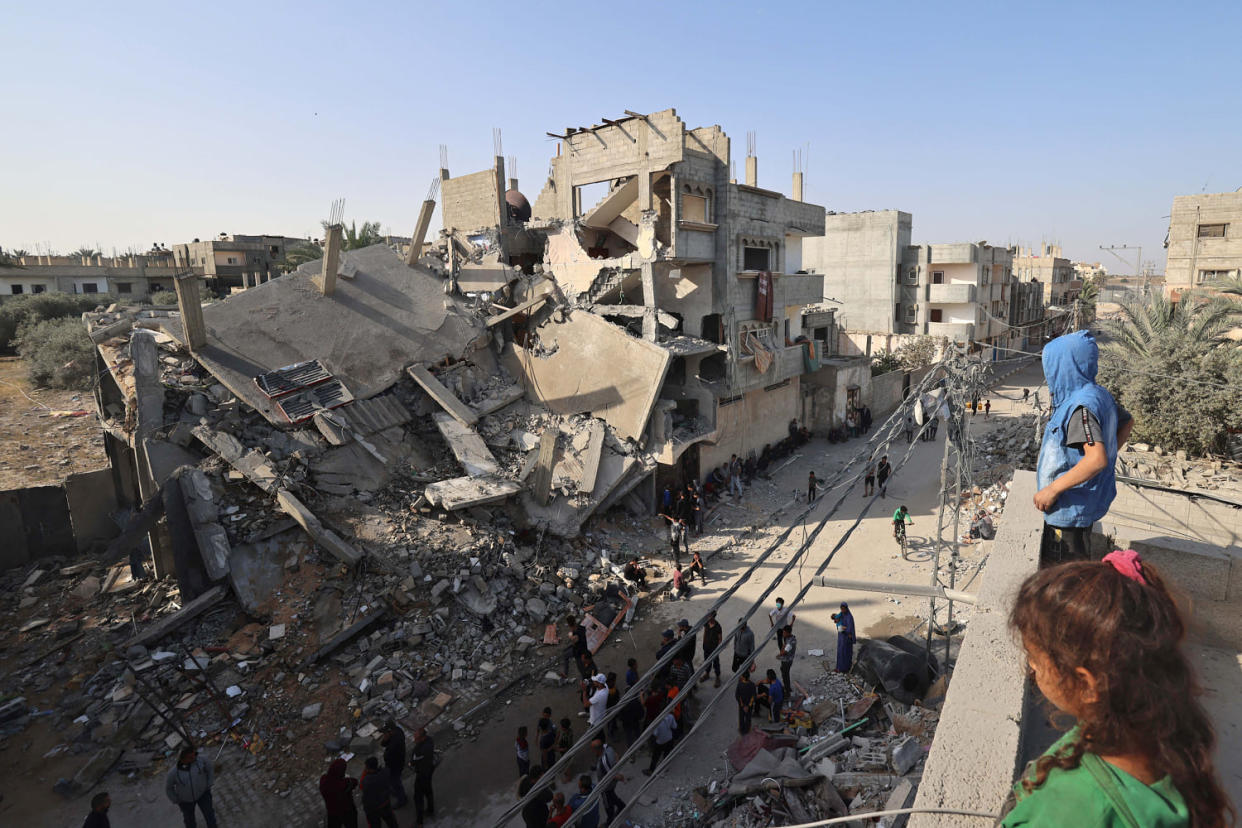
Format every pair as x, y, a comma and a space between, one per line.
974, 757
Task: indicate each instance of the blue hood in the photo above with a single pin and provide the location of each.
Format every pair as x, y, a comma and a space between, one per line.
1070, 362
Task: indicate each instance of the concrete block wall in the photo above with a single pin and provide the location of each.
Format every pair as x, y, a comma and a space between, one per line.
974, 756
470, 202
1175, 513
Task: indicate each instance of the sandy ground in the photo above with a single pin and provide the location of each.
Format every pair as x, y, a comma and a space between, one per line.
37, 447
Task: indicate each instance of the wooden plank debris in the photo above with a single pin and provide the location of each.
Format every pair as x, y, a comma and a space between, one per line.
446, 398
189, 612
493, 321
345, 636
468, 447
543, 468
249, 462
590, 458
324, 537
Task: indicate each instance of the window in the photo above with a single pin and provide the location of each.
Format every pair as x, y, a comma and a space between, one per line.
1212, 231
912, 276
90, 287
232, 260
16, 289
756, 258
937, 315
124, 287
694, 208
937, 277
1206, 276
38, 288
911, 313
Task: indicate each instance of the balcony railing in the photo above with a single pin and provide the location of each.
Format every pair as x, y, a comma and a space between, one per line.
951, 294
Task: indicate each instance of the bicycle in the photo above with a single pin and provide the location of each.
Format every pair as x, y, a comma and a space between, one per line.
899, 533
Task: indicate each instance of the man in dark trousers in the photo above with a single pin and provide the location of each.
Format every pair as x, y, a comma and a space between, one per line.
424, 762
188, 786
713, 633
743, 644
98, 817
685, 641
811, 486
745, 695
393, 740
605, 761
882, 473
377, 795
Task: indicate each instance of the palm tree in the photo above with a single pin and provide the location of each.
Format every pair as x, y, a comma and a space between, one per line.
300, 255
11, 258
1148, 324
87, 252
1087, 299
1231, 286
367, 236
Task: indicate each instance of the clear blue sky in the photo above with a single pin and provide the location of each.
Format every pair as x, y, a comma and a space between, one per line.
133, 123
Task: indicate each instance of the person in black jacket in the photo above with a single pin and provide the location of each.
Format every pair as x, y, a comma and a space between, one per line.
98, 817
535, 812
393, 741
424, 763
377, 795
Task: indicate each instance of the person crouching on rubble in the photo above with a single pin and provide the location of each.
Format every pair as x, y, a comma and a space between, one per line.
1077, 481
1103, 640
635, 574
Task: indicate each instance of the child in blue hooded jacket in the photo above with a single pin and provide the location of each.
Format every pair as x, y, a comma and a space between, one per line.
1077, 481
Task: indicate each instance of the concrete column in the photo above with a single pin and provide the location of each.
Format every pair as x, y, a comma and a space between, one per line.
420, 232
752, 171
797, 186
498, 169
513, 183
651, 327
191, 306
331, 259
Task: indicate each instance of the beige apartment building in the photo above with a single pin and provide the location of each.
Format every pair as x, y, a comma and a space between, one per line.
957, 291
1205, 240
1046, 265
131, 276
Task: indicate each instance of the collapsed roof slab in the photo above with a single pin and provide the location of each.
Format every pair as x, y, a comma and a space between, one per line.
592, 366
384, 317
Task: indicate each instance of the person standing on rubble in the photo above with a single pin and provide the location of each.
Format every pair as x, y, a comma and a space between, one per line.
713, 633
698, 510
676, 536
789, 651
845, 638
393, 740
743, 644
1076, 470
188, 786
735, 476
337, 791
424, 763
745, 695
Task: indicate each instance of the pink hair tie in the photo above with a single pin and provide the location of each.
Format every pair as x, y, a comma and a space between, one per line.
1128, 563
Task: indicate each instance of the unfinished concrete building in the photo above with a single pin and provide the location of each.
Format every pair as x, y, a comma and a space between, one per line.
1047, 266
1204, 242
638, 224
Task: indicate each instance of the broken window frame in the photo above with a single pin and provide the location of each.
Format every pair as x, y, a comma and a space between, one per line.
1211, 231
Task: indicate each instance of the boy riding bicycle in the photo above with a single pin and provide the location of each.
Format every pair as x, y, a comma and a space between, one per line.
901, 518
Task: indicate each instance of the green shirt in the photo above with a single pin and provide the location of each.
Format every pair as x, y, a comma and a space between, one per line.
900, 516
1075, 797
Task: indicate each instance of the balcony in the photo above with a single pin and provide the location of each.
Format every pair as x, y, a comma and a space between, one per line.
951, 294
800, 289
956, 331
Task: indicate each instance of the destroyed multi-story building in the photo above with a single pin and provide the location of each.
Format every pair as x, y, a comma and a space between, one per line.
638, 226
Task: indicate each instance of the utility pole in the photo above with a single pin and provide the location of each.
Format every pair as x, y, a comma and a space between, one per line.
1138, 265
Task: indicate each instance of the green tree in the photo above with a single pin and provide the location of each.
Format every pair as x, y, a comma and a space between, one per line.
299, 255
355, 237
1170, 365
85, 251
1232, 286
884, 362
10, 258
1087, 300
58, 353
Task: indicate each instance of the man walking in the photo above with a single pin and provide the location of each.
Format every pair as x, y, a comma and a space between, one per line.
781, 619
811, 485
713, 633
743, 644
605, 761
987, 408
745, 695
869, 481
393, 740
662, 742
424, 762
882, 473
188, 786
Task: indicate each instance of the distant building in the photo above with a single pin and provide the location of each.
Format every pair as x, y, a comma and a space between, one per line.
1026, 312
1048, 267
132, 276
888, 288
1094, 270
1205, 240
235, 261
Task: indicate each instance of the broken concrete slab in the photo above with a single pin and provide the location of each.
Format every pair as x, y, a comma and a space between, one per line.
346, 635
587, 364
373, 325
506, 396
467, 446
523, 307
249, 462
256, 570
542, 483
446, 398
323, 537
590, 457
464, 492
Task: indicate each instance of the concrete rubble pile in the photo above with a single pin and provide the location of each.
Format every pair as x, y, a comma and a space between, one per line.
848, 749
1010, 445
1175, 469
